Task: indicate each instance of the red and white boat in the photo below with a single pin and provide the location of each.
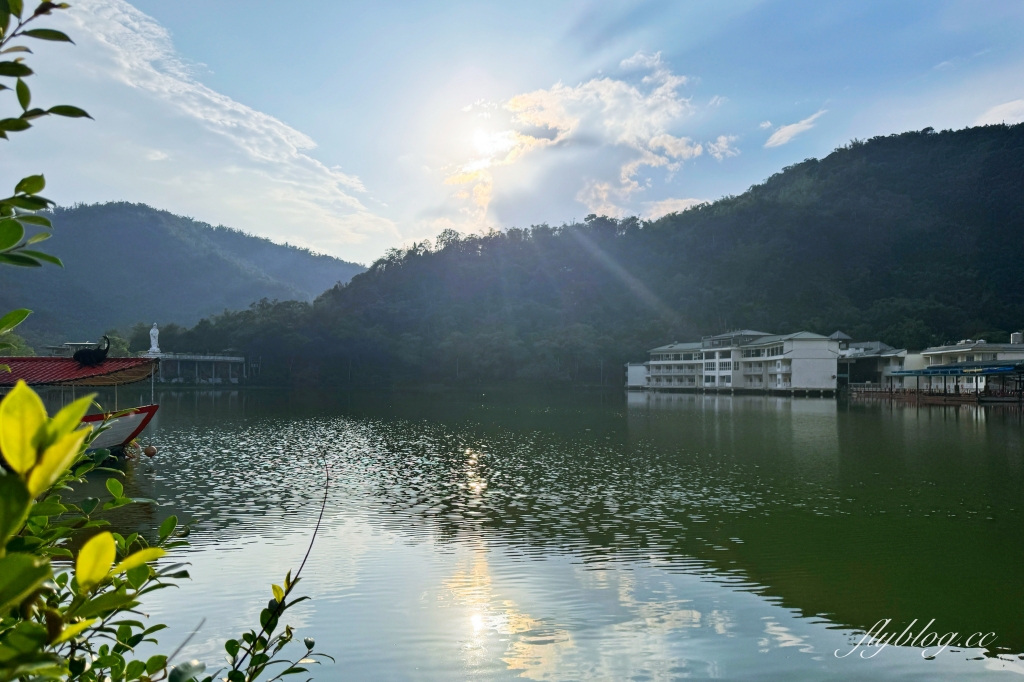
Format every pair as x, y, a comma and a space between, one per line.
123, 426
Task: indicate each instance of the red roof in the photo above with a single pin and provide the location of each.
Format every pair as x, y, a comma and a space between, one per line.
110, 372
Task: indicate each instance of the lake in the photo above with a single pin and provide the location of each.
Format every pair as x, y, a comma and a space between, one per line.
596, 536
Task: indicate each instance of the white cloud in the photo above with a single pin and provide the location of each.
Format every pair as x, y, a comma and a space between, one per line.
765, 125
722, 147
676, 147
635, 119
717, 101
1009, 113
785, 134
657, 209
220, 160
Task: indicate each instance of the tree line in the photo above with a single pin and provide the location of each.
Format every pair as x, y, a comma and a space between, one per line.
914, 239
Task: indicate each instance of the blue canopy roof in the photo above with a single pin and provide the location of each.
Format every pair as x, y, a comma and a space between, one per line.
965, 369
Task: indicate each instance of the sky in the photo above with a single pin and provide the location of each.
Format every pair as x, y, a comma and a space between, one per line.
352, 128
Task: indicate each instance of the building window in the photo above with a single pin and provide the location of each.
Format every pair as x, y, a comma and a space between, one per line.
709, 379
709, 367
687, 356
727, 379
725, 366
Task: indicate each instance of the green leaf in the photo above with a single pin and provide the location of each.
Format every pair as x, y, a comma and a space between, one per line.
107, 601
156, 663
41, 256
14, 124
48, 34
167, 527
31, 203
138, 576
14, 505
69, 111
88, 505
11, 232
47, 508
73, 630
24, 94
115, 487
134, 670
33, 114
139, 558
46, 7
94, 561
13, 319
231, 646
20, 575
16, 7
19, 260
38, 237
14, 69
16, 48
33, 184
35, 220
26, 637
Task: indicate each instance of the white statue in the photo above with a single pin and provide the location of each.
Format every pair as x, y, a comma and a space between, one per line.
154, 339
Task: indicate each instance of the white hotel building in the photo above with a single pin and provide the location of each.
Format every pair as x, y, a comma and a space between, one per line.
743, 361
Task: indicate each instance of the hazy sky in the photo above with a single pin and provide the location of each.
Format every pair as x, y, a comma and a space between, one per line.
354, 127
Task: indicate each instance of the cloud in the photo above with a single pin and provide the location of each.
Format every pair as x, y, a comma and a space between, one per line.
785, 134
1009, 113
657, 209
722, 147
629, 118
219, 160
676, 147
765, 125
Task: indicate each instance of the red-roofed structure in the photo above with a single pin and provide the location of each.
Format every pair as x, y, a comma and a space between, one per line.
68, 372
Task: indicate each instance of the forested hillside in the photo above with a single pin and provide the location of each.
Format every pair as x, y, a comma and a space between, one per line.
913, 239
129, 262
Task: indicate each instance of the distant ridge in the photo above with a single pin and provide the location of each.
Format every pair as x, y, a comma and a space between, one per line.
128, 262
915, 239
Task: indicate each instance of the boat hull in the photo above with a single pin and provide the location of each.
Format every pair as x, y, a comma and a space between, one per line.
122, 428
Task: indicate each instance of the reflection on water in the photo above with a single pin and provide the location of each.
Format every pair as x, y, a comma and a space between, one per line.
597, 536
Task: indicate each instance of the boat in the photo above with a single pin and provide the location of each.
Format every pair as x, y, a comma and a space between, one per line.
123, 426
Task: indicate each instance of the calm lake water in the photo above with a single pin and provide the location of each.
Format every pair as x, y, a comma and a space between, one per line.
558, 536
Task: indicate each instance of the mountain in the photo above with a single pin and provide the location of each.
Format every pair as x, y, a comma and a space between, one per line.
128, 262
914, 239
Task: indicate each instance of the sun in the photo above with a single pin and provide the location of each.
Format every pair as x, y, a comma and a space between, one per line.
492, 143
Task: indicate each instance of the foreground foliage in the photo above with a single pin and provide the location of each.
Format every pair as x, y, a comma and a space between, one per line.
68, 615
74, 616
